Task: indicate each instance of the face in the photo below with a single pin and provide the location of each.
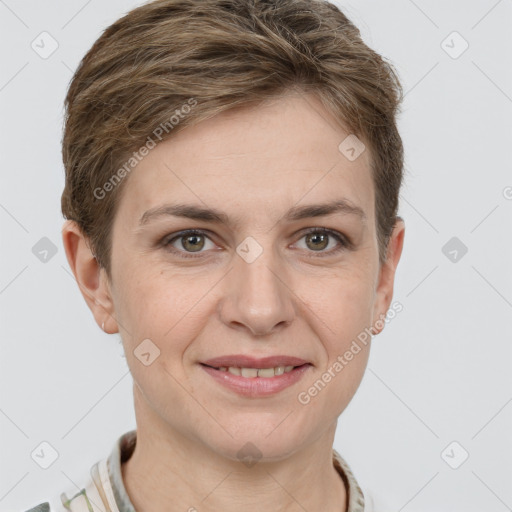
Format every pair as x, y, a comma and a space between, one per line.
255, 283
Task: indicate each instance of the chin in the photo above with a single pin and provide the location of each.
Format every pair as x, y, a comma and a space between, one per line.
262, 442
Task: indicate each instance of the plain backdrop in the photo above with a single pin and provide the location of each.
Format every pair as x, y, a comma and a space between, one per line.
430, 427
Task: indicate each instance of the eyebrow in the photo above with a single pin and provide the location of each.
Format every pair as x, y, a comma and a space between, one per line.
342, 206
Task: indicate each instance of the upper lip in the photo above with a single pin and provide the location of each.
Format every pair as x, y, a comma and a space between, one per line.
244, 361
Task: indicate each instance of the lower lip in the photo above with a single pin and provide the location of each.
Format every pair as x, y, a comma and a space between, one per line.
257, 386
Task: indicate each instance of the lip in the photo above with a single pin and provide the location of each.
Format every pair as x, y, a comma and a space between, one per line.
257, 386
244, 361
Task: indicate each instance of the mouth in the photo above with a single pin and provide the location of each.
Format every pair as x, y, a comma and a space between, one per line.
251, 373
256, 378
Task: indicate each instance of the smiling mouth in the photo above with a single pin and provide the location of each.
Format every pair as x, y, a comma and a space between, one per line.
251, 373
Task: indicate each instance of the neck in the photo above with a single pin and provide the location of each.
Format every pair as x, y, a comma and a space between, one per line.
170, 471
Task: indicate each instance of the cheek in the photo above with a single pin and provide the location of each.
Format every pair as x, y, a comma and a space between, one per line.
343, 301
345, 310
167, 308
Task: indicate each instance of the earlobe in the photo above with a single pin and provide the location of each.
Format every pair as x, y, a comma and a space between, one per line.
385, 285
90, 277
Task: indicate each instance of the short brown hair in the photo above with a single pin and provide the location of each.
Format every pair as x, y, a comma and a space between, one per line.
218, 55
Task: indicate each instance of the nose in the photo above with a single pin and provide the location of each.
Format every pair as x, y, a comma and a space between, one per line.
256, 297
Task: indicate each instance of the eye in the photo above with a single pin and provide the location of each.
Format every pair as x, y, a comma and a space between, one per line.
191, 241
317, 239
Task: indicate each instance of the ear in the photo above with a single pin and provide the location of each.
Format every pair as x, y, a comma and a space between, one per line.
90, 277
384, 291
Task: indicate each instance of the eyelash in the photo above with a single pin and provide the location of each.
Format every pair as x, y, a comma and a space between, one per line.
345, 243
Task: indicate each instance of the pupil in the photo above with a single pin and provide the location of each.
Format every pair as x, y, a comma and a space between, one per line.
194, 246
321, 237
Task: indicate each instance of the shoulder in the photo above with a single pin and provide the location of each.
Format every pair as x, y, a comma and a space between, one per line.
52, 505
373, 501
361, 497
90, 498
97, 493
42, 507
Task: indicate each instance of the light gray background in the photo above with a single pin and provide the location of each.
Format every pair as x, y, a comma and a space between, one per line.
440, 371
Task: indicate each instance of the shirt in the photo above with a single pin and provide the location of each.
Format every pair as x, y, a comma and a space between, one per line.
105, 491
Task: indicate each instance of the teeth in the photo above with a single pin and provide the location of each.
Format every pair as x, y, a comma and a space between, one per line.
266, 372
249, 372
257, 372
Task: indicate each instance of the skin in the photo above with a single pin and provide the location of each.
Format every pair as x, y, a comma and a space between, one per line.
297, 298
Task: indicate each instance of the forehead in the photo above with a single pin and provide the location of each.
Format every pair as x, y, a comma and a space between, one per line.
257, 160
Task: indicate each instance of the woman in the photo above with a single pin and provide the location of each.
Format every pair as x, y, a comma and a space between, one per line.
233, 170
